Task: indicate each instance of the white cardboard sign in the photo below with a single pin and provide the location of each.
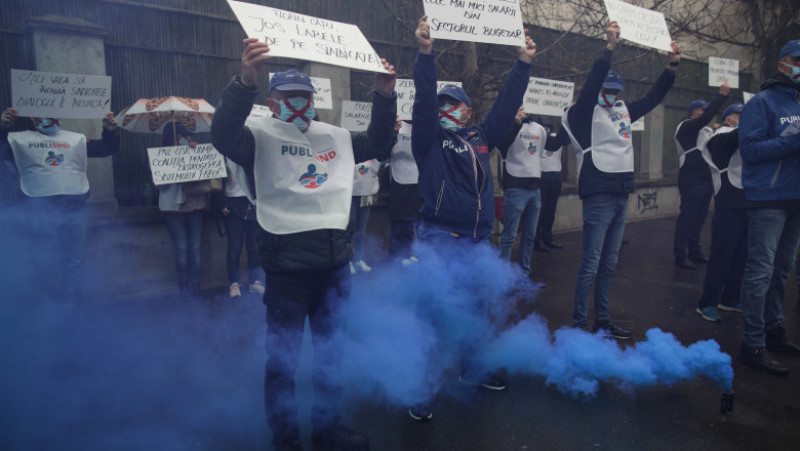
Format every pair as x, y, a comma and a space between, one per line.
298, 36
490, 21
406, 92
260, 111
747, 96
179, 164
356, 115
640, 25
547, 97
322, 98
638, 126
723, 70
61, 96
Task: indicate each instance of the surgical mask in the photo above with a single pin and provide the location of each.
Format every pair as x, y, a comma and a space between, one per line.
49, 126
450, 117
601, 100
297, 110
734, 123
795, 77
183, 142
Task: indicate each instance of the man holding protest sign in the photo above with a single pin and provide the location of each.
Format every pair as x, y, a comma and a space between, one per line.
599, 127
694, 178
52, 168
302, 174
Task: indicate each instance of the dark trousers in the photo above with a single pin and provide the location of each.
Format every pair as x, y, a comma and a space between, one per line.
290, 298
242, 233
725, 269
402, 237
695, 200
550, 188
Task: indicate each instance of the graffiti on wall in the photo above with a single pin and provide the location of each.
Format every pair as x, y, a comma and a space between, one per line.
647, 202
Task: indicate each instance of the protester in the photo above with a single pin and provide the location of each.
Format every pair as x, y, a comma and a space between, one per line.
599, 128
303, 242
404, 201
723, 278
521, 149
769, 139
550, 187
453, 161
365, 186
694, 178
52, 175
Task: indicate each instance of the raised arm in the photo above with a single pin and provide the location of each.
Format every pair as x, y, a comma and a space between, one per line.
109, 144
511, 134
638, 108
425, 115
583, 109
376, 141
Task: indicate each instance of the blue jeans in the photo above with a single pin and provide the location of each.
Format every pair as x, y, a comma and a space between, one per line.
242, 232
772, 239
520, 205
603, 226
186, 231
359, 218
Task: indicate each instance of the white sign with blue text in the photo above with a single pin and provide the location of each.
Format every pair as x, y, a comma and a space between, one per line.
60, 96
489, 21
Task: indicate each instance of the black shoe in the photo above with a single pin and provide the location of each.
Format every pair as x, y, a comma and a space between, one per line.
554, 245
684, 263
490, 382
293, 445
540, 247
612, 330
698, 259
420, 413
584, 327
777, 342
762, 360
339, 438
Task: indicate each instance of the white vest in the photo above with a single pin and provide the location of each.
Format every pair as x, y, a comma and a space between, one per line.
734, 169
404, 167
236, 185
365, 178
524, 158
612, 149
50, 165
702, 139
551, 160
303, 181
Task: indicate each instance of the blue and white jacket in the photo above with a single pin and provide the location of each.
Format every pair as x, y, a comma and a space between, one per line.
770, 154
455, 181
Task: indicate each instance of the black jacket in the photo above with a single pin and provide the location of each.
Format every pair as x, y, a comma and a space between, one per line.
695, 170
722, 147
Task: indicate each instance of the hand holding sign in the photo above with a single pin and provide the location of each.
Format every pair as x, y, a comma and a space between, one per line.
527, 51
725, 89
674, 56
110, 122
384, 83
253, 57
612, 34
8, 118
423, 34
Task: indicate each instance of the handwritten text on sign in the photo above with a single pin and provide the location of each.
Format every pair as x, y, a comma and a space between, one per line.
547, 97
298, 36
70, 96
723, 70
180, 164
406, 92
491, 21
322, 98
260, 111
356, 115
640, 25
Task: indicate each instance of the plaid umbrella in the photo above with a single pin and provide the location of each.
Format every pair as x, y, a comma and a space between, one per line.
151, 115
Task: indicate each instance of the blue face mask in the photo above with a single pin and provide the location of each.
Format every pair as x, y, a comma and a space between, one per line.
450, 117
795, 77
297, 110
602, 102
183, 142
49, 126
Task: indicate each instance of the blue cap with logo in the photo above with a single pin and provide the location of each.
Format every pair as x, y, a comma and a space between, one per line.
792, 48
291, 80
613, 81
735, 108
699, 103
456, 93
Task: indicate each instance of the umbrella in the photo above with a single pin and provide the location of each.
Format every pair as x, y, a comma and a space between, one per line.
151, 115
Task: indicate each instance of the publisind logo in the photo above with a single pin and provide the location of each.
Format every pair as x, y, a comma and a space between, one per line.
311, 179
54, 160
363, 170
531, 149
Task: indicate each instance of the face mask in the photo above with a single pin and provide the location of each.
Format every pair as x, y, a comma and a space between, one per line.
733, 124
298, 111
49, 126
183, 142
450, 117
606, 100
795, 77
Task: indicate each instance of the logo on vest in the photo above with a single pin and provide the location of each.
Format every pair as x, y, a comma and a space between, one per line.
54, 160
363, 170
531, 149
548, 153
311, 179
624, 130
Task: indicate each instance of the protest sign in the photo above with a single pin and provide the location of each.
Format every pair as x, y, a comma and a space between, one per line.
640, 25
638, 126
406, 92
260, 111
356, 115
179, 164
747, 96
547, 97
490, 21
61, 96
322, 98
723, 70
298, 36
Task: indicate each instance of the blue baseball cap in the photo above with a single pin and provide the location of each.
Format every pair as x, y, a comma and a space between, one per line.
456, 93
792, 48
613, 81
291, 80
735, 108
699, 103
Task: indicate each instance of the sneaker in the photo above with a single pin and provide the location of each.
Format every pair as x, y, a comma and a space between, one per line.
234, 291
352, 269
761, 359
362, 266
339, 437
257, 287
540, 247
613, 330
683, 262
410, 261
777, 342
554, 245
583, 327
709, 314
490, 382
420, 413
737, 308
698, 259
538, 285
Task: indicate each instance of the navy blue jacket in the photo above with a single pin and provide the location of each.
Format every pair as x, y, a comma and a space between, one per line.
591, 179
456, 189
